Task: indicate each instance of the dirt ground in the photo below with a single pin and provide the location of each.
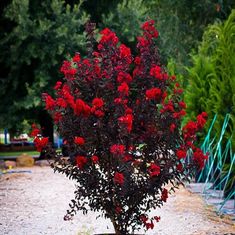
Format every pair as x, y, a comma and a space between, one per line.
35, 203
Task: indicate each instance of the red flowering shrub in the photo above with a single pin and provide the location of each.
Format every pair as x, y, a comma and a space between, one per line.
120, 118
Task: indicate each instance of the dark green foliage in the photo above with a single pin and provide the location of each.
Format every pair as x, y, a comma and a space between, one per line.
180, 23
212, 76
126, 19
41, 32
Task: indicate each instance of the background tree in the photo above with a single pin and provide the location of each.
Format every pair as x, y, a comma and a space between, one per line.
180, 23
37, 36
212, 76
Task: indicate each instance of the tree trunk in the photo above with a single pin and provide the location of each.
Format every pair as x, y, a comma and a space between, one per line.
46, 124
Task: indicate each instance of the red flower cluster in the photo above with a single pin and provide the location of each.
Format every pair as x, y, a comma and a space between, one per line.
117, 149
201, 120
76, 58
50, 102
60, 102
191, 128
98, 102
68, 70
149, 29
79, 140
81, 161
155, 71
35, 130
118, 178
81, 108
164, 195
125, 53
97, 107
148, 225
58, 85
172, 127
94, 159
154, 170
40, 143
123, 89
181, 153
199, 157
153, 93
127, 120
124, 77
107, 37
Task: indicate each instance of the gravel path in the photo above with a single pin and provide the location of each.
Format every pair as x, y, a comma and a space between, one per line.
35, 203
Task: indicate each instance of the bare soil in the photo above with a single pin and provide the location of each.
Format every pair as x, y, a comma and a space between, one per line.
35, 203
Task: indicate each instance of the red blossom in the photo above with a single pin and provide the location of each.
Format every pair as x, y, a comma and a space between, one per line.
179, 114
68, 70
125, 53
40, 143
124, 77
65, 66
50, 102
79, 140
81, 108
67, 96
127, 120
76, 58
143, 218
58, 85
182, 104
123, 89
142, 42
117, 149
201, 120
107, 37
199, 157
61, 103
190, 129
168, 107
137, 60
99, 113
172, 127
181, 153
157, 218
153, 93
154, 170
98, 102
155, 71
81, 161
94, 159
118, 178
35, 130
164, 195
149, 225
57, 117
178, 91
179, 167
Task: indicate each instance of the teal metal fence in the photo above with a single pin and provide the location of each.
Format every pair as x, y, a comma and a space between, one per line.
218, 174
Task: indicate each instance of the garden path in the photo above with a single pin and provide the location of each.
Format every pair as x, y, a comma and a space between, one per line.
35, 203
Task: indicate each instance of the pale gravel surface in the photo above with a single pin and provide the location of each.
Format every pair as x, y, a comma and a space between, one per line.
34, 204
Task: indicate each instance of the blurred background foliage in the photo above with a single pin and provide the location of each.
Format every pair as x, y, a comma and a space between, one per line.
196, 43
211, 84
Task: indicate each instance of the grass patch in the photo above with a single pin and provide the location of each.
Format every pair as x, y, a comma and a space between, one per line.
9, 154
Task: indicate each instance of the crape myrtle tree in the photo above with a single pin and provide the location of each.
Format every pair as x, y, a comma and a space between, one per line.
120, 119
